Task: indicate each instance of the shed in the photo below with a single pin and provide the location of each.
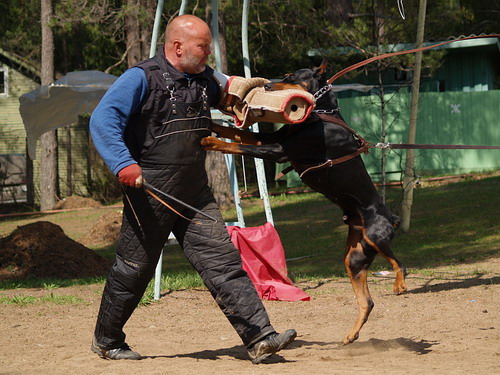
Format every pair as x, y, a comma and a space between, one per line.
468, 65
16, 78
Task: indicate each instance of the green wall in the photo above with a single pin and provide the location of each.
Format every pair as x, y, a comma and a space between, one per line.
469, 118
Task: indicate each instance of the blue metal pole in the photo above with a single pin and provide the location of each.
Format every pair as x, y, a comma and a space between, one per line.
230, 162
152, 52
215, 35
156, 27
182, 10
259, 163
244, 38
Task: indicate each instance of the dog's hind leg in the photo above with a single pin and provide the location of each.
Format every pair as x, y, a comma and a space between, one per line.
357, 260
377, 233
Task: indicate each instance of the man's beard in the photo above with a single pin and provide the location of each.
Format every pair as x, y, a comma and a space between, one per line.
192, 64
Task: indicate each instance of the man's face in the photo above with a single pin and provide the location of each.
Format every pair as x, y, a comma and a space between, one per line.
195, 54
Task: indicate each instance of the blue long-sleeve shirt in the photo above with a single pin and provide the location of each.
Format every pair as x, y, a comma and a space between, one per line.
110, 118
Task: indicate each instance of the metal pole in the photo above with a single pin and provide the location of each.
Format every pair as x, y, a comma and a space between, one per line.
156, 27
228, 157
244, 38
215, 35
182, 9
259, 163
152, 52
231, 166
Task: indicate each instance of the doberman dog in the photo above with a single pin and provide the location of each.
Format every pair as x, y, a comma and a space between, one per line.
325, 152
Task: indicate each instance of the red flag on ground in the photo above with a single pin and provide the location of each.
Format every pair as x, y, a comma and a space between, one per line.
263, 259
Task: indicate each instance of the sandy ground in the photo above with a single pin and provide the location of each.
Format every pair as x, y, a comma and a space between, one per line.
446, 324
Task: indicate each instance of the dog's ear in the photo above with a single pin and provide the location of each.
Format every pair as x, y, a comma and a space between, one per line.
322, 68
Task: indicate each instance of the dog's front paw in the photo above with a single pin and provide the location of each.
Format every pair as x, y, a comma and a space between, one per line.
215, 144
350, 338
209, 142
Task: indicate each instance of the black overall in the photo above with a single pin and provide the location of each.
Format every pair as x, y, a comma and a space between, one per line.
165, 139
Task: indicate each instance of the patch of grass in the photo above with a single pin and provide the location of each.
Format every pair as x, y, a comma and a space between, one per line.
172, 282
48, 283
51, 298
450, 225
107, 252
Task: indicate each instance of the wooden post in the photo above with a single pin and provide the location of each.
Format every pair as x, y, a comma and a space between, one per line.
69, 163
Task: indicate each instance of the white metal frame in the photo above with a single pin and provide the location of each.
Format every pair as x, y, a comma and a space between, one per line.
218, 116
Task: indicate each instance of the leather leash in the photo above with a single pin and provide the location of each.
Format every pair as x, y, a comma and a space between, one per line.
365, 146
385, 55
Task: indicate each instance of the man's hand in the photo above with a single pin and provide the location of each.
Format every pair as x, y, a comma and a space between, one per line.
131, 176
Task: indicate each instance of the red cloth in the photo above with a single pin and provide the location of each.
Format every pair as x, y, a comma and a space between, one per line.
264, 260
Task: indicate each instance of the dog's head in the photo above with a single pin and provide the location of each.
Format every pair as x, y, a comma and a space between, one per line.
310, 80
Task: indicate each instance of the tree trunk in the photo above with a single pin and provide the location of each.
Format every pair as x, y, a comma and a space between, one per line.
149, 7
139, 20
379, 11
132, 32
48, 160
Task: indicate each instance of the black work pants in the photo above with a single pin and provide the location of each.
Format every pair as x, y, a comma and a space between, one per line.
206, 245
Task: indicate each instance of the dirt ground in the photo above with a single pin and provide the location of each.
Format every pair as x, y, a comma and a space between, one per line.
443, 325
447, 323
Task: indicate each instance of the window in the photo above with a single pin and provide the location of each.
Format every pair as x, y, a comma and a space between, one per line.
4, 87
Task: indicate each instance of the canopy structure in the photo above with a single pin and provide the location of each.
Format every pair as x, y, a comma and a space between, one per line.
60, 103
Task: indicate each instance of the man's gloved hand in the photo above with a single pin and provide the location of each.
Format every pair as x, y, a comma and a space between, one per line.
240, 86
131, 176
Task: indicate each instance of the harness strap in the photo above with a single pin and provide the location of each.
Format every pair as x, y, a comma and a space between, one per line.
363, 148
331, 162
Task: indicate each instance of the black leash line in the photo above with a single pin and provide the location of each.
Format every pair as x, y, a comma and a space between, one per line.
151, 187
431, 146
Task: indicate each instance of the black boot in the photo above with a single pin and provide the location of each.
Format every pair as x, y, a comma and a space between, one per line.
123, 352
270, 344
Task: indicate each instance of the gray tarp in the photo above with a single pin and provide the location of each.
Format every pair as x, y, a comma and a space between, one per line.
59, 104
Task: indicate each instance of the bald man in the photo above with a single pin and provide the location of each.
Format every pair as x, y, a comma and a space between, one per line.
148, 126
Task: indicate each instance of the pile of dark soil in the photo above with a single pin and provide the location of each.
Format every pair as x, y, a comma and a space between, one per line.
105, 231
75, 201
42, 249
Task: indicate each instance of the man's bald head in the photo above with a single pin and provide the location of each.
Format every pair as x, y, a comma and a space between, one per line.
182, 26
188, 43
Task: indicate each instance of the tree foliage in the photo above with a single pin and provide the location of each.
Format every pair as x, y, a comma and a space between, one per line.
93, 34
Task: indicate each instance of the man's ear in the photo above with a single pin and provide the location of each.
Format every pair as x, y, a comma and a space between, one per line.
177, 47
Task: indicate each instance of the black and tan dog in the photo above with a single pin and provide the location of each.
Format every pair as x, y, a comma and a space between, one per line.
326, 153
